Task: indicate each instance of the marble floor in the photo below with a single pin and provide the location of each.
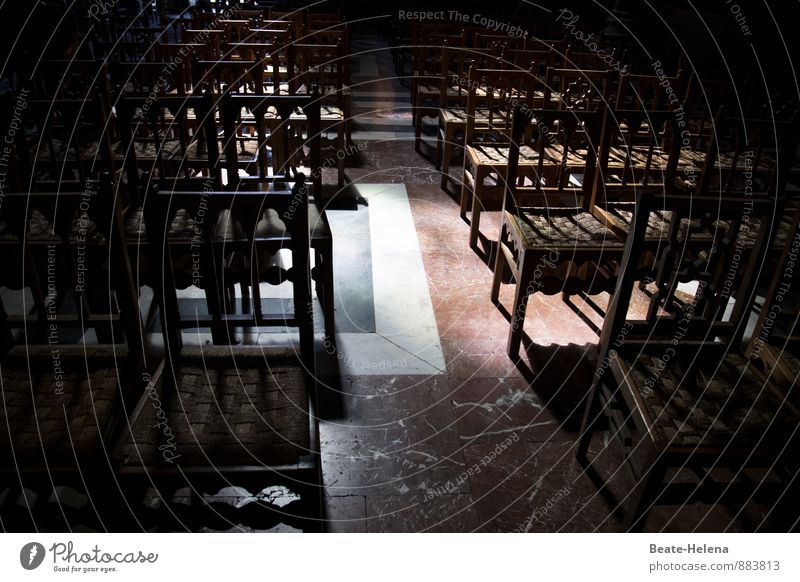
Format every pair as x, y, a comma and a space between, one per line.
477, 443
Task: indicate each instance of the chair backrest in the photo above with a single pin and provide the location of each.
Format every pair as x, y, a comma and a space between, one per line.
67, 79
277, 64
698, 248
486, 40
235, 30
284, 126
577, 88
67, 249
456, 65
703, 100
211, 38
640, 152
67, 142
749, 156
161, 77
584, 60
173, 139
650, 92
215, 239
317, 65
536, 61
229, 75
495, 93
566, 143
426, 43
321, 20
558, 45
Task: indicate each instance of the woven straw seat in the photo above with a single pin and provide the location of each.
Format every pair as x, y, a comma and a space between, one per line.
67, 414
658, 226
563, 228
247, 410
726, 402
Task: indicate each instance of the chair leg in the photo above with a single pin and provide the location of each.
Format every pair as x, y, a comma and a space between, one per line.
520, 306
418, 131
465, 195
640, 499
447, 152
348, 120
340, 138
327, 293
591, 415
475, 217
439, 140
500, 265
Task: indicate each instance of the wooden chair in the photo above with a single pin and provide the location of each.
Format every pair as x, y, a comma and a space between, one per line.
159, 77
321, 67
426, 68
640, 151
228, 414
485, 163
172, 139
764, 147
229, 75
676, 390
284, 126
775, 341
484, 41
536, 61
67, 79
211, 38
578, 88
550, 241
68, 143
453, 92
71, 361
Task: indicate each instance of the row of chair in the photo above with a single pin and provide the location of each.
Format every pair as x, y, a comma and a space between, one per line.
144, 226
698, 417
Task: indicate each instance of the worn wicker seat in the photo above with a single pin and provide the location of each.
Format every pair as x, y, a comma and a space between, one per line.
563, 228
60, 417
724, 402
247, 409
